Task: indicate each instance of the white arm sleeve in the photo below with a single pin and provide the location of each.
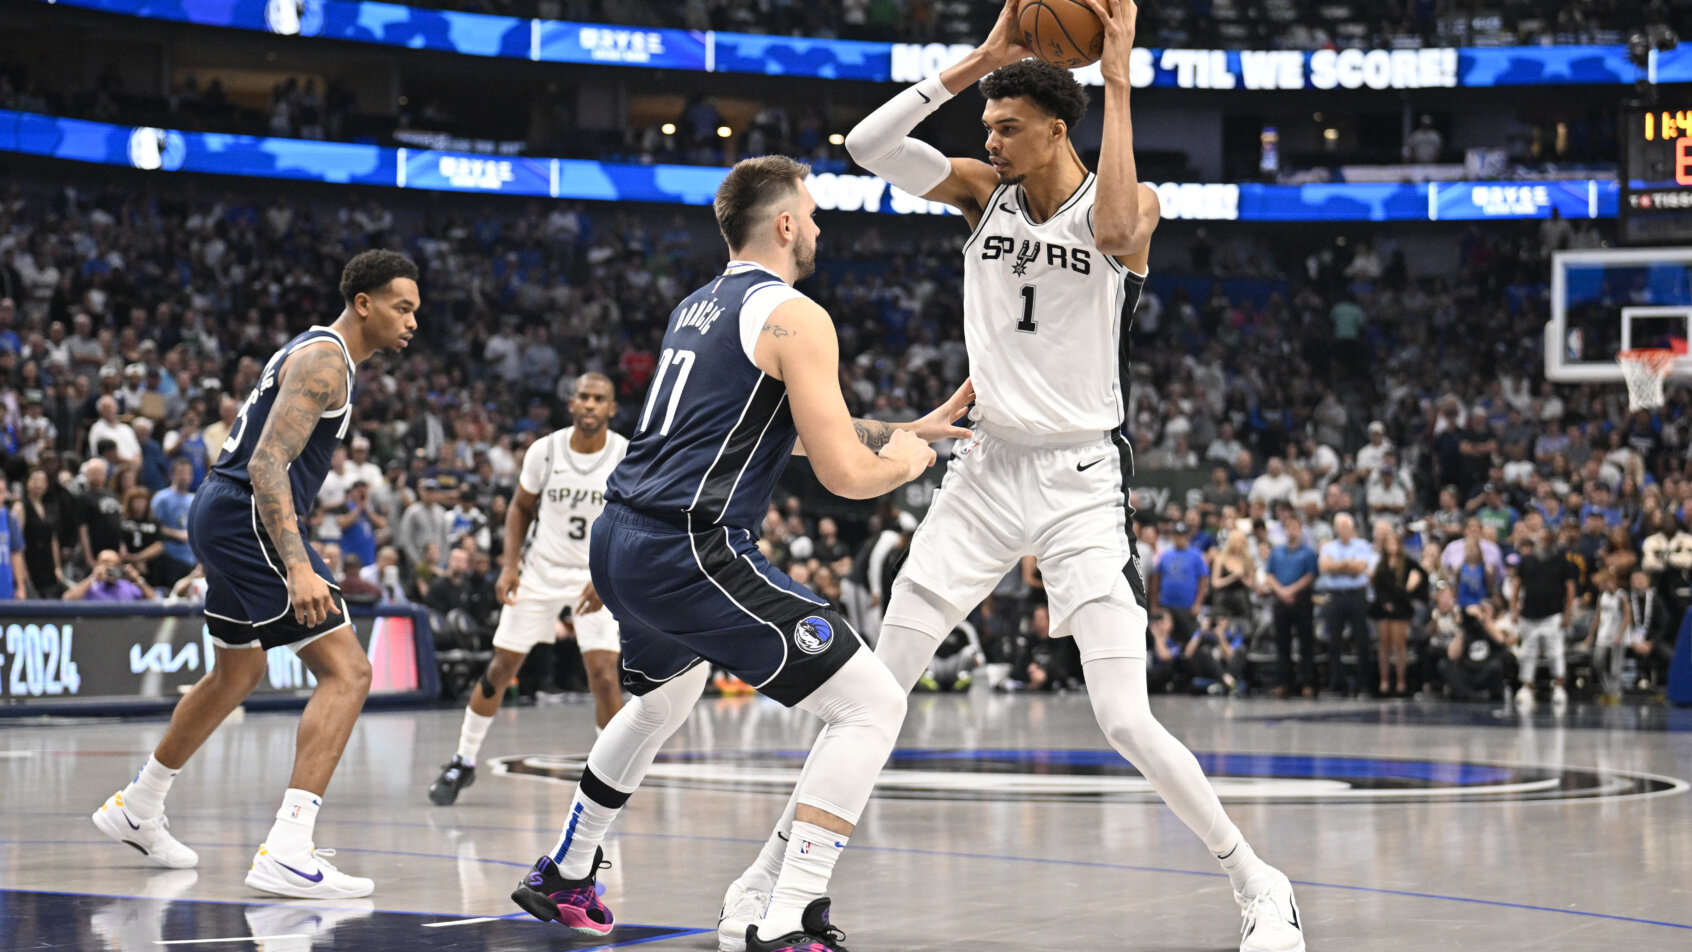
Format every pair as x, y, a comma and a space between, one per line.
882, 142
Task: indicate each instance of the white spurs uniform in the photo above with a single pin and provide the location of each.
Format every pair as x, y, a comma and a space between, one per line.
1046, 317
571, 491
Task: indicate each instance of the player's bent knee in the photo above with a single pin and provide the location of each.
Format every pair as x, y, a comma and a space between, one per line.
919, 608
863, 694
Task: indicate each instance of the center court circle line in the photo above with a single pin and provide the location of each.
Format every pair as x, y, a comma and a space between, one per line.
1085, 864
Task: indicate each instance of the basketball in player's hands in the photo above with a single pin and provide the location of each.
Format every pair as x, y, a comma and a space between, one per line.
1064, 33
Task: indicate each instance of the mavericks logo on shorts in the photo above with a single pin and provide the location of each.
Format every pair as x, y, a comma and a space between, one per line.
813, 634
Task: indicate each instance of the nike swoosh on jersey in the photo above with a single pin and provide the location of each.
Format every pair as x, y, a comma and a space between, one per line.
1083, 467
316, 878
924, 96
1008, 210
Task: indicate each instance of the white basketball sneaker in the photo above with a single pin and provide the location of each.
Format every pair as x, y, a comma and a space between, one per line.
150, 837
307, 875
741, 908
1524, 697
1269, 920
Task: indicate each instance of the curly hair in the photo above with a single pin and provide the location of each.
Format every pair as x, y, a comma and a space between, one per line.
369, 270
1052, 88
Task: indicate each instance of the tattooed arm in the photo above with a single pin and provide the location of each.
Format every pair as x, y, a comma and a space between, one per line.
875, 434
798, 346
314, 379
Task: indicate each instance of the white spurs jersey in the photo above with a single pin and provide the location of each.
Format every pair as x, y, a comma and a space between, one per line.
1046, 318
571, 487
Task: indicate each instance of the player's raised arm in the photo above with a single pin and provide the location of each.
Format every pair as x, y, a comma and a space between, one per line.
882, 144
313, 381
1122, 225
798, 346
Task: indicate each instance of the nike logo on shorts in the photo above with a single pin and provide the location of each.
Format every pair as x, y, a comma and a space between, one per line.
314, 878
1083, 467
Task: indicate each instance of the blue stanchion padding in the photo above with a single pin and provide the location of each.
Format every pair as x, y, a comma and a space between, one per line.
1680, 670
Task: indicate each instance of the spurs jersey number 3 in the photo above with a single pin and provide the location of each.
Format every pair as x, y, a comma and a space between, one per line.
1046, 317
571, 487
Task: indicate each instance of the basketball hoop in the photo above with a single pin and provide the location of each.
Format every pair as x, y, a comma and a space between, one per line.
1645, 370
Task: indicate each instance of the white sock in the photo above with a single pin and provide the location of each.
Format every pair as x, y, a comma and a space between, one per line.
470, 737
811, 855
292, 831
1248, 874
585, 830
761, 875
144, 797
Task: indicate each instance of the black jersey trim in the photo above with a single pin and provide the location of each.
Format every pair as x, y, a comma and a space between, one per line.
986, 213
1068, 203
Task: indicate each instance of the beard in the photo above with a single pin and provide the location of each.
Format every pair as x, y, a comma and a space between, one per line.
1009, 178
588, 424
804, 260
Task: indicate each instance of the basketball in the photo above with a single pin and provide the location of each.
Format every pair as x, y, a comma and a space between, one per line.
1064, 33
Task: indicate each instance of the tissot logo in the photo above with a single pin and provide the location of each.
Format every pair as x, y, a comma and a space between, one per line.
1103, 776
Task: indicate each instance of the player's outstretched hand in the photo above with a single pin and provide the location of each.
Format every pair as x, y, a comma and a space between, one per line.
1118, 17
505, 588
590, 602
313, 602
908, 448
1004, 43
940, 423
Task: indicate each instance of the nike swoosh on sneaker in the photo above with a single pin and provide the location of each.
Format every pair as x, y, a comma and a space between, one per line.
317, 878
132, 824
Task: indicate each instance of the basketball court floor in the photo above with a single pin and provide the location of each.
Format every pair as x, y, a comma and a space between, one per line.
1004, 823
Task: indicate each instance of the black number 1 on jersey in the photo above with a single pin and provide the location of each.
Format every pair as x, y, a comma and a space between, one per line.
1027, 325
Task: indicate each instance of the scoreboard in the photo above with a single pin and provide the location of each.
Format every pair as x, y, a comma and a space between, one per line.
1656, 179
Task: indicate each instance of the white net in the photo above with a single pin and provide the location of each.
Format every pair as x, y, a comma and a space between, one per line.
1645, 371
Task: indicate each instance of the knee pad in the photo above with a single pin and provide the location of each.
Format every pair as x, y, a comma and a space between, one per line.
920, 609
487, 684
664, 708
862, 695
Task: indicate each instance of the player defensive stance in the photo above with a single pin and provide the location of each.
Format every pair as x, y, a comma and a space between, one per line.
748, 364
266, 588
1052, 272
560, 492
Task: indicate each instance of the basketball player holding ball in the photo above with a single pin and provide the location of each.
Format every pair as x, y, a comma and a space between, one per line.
1052, 271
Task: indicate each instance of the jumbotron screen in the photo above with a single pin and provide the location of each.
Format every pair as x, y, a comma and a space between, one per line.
1656, 200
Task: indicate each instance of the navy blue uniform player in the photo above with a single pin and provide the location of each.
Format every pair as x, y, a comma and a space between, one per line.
748, 374
266, 588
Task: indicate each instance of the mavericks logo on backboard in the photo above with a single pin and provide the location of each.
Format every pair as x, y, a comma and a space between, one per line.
813, 634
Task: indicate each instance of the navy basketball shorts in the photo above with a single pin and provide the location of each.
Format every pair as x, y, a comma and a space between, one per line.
247, 603
684, 597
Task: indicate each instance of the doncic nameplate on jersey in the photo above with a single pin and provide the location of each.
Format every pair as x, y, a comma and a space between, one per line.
81, 658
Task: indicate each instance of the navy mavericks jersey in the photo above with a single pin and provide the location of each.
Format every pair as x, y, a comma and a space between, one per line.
309, 469
715, 432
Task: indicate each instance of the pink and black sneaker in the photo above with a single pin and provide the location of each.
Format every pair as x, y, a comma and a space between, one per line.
549, 897
816, 934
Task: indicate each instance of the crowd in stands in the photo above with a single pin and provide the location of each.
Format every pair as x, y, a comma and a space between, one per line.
1382, 460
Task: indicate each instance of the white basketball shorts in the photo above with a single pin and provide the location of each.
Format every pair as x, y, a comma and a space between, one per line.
1061, 500
531, 621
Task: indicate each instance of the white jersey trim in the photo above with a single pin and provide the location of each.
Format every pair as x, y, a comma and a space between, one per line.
769, 296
